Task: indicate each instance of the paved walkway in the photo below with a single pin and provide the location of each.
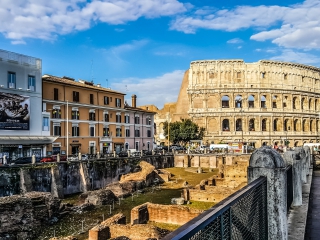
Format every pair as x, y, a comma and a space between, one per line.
313, 219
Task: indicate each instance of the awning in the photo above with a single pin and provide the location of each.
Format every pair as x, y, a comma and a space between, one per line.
27, 140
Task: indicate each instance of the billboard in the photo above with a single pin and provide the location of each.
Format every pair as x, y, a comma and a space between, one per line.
14, 111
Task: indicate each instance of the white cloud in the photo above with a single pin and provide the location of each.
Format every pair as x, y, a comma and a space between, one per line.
235, 41
295, 26
289, 55
20, 19
157, 90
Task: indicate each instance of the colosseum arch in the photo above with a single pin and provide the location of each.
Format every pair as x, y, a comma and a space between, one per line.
238, 101
225, 125
303, 103
310, 107
304, 125
276, 124
213, 101
239, 124
294, 102
316, 105
263, 101
296, 125
311, 126
197, 102
275, 101
264, 125
251, 101
252, 124
225, 101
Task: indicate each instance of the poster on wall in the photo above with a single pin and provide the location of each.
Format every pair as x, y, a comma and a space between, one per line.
14, 111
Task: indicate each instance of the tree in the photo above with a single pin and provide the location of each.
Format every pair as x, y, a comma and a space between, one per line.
184, 131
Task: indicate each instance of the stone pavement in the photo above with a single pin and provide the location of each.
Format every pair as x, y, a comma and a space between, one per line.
313, 219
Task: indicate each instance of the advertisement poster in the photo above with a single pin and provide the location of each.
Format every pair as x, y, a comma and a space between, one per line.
14, 112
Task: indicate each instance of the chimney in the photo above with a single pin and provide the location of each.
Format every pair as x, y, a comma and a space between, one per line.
134, 100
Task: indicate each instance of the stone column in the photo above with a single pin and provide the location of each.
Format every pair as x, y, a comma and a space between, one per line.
301, 155
267, 162
307, 150
290, 159
33, 159
58, 157
79, 156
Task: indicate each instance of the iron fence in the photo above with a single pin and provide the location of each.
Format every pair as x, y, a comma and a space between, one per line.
289, 187
243, 215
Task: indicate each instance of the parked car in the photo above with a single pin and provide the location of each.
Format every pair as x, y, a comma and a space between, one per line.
123, 154
47, 159
25, 160
146, 152
53, 158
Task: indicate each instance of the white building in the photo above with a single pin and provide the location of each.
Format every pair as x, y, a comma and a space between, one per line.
24, 128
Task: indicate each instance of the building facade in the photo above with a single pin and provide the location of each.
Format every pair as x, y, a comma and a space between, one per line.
24, 127
265, 102
88, 118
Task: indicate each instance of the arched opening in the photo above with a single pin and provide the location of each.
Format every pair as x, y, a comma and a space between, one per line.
238, 101
225, 101
225, 125
263, 101
239, 125
274, 101
264, 125
295, 125
302, 103
251, 125
311, 126
275, 125
294, 103
310, 104
285, 125
251, 101
296, 143
316, 104
303, 125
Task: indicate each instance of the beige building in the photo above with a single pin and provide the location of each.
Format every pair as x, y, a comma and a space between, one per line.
262, 102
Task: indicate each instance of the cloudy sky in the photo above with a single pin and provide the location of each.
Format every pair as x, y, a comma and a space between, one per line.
144, 46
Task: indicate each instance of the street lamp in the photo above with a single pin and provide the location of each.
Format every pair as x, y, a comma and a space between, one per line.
67, 128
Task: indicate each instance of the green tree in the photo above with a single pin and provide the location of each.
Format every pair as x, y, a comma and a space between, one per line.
184, 131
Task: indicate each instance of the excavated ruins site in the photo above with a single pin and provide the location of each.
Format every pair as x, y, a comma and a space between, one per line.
22, 215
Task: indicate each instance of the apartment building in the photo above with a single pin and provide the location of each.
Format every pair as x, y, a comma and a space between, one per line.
88, 118
24, 128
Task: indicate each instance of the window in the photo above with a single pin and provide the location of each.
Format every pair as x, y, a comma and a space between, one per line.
263, 75
137, 133
238, 125
137, 119
92, 116
11, 80
56, 130
285, 76
148, 133
225, 125
118, 118
118, 132
263, 102
148, 121
75, 114
127, 119
251, 101
106, 117
106, 132
127, 132
106, 100
118, 102
91, 130
75, 96
91, 98
264, 125
126, 146
56, 113
75, 131
45, 124
32, 83
55, 94
225, 101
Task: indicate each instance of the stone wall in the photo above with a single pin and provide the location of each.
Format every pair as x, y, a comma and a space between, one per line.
22, 215
71, 177
171, 214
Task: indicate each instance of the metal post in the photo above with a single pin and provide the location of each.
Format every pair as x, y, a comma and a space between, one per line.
67, 128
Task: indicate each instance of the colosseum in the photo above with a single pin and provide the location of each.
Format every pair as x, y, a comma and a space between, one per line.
264, 102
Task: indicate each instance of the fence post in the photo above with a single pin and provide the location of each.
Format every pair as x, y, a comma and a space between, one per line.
291, 158
301, 154
267, 162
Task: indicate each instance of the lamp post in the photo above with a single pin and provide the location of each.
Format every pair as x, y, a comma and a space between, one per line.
67, 128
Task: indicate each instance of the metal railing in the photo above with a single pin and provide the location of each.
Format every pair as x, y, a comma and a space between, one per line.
243, 215
289, 187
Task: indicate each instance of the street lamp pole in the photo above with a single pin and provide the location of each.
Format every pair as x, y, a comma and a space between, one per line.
67, 128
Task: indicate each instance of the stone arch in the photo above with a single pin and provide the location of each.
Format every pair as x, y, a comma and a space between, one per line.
276, 124
304, 125
225, 125
238, 101
213, 101
275, 101
264, 125
310, 104
197, 102
251, 101
303, 103
239, 124
263, 101
296, 125
252, 124
225, 101
294, 102
311, 126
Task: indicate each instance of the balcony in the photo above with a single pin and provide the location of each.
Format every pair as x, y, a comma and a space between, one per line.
106, 139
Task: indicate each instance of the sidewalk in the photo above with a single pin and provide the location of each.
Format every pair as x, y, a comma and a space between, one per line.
313, 219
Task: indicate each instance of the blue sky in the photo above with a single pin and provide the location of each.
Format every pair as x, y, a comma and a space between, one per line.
143, 47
